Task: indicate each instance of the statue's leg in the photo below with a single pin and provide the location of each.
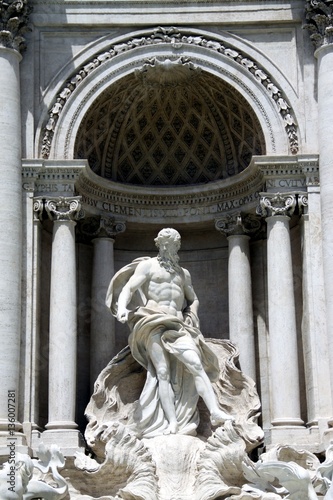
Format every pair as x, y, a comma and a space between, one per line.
203, 386
161, 364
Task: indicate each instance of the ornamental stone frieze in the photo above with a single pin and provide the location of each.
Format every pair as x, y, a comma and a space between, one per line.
239, 223
319, 17
14, 17
64, 209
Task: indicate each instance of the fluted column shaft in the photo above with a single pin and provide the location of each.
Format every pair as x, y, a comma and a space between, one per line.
63, 311
10, 229
281, 311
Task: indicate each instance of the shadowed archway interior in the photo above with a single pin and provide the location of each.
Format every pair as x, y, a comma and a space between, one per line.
169, 124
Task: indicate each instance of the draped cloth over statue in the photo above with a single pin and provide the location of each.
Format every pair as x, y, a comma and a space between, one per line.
176, 337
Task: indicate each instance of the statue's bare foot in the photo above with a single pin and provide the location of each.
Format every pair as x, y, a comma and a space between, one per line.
172, 429
219, 417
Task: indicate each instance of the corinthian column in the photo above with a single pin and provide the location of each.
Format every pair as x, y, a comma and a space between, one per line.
13, 22
285, 396
320, 24
237, 228
102, 331
63, 323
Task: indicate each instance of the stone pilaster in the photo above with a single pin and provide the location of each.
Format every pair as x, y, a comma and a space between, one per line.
320, 23
238, 228
102, 331
31, 279
314, 334
61, 427
277, 210
13, 16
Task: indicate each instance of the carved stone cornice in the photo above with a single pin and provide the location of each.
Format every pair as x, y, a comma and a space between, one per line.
202, 202
14, 17
319, 17
102, 227
277, 204
63, 208
238, 224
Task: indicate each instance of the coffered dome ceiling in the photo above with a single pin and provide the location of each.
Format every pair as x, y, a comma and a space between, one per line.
167, 127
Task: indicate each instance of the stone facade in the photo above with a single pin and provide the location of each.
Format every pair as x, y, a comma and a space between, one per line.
120, 118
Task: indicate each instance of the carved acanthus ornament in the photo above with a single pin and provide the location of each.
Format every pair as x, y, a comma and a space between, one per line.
238, 224
274, 204
177, 39
64, 209
167, 72
14, 17
319, 16
102, 227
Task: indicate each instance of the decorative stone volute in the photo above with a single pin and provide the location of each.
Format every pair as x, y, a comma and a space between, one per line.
14, 16
63, 208
303, 203
238, 223
273, 204
38, 208
319, 16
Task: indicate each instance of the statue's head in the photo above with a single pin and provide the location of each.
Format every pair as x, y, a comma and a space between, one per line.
169, 236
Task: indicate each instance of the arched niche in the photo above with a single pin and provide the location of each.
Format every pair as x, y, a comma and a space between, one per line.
215, 56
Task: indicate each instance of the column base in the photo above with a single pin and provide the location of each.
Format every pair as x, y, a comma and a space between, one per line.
301, 438
60, 424
283, 422
70, 441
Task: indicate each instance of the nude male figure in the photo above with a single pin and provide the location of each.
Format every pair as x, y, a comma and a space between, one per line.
168, 288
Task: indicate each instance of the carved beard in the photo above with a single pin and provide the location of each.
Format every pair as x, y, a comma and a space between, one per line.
169, 261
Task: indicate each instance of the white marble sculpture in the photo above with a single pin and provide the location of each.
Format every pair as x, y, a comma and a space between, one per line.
155, 296
151, 435
23, 478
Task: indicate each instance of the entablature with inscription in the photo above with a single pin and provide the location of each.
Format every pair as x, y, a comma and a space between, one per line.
171, 204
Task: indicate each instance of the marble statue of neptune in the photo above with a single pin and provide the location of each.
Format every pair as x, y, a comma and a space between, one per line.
156, 298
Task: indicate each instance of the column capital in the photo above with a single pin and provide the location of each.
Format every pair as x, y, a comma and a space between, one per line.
14, 15
319, 18
238, 224
274, 204
102, 227
63, 208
